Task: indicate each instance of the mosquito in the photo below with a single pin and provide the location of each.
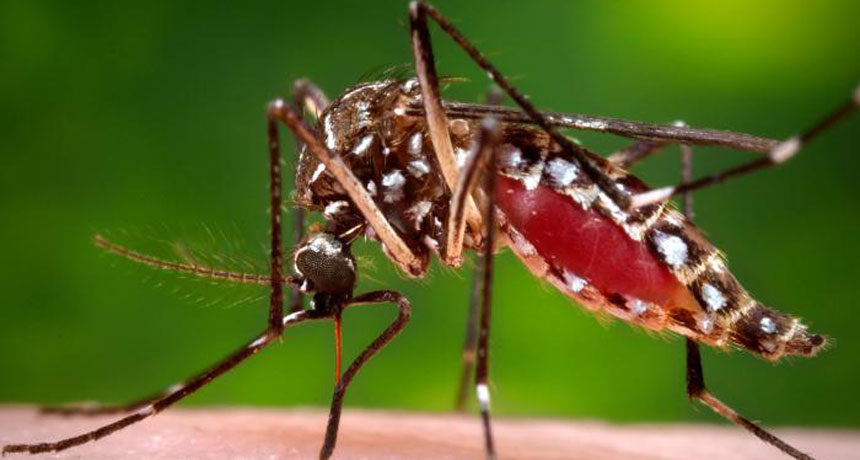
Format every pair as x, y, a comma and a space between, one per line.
391, 161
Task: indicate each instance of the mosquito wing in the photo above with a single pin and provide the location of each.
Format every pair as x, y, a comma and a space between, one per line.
669, 133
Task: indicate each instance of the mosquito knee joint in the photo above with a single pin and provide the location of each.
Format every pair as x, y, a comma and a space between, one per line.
785, 150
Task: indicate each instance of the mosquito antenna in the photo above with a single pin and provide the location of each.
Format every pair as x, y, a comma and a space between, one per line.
190, 268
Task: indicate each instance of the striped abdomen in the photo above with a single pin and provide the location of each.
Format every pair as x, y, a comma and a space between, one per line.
650, 266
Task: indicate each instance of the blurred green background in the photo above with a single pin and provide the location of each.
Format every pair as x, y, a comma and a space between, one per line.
149, 116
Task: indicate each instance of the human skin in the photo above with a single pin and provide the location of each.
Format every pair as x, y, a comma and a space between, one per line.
254, 433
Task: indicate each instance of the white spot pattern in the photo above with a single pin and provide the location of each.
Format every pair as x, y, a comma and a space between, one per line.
673, 248
317, 172
292, 317
706, 324
259, 341
333, 208
523, 245
416, 142
768, 325
714, 299
362, 145
637, 306
532, 178
393, 183
418, 168
409, 85
462, 156
330, 140
562, 171
510, 156
573, 282
483, 394
363, 108
615, 213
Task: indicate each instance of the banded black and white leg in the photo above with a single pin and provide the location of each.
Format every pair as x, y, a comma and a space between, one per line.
775, 156
696, 389
181, 391
487, 143
481, 160
174, 395
470, 343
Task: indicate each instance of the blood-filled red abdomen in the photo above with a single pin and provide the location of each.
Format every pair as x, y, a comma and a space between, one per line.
586, 243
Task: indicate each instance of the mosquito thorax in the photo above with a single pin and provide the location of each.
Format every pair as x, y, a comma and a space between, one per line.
391, 154
325, 267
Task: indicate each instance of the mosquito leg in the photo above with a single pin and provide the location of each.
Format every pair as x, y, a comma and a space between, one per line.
489, 139
470, 343
418, 11
380, 342
483, 159
437, 123
686, 177
777, 155
87, 409
467, 183
173, 395
308, 98
644, 148
695, 375
396, 248
636, 152
492, 97
276, 296
696, 390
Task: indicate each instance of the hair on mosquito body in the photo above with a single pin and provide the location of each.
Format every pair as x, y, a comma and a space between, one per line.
391, 161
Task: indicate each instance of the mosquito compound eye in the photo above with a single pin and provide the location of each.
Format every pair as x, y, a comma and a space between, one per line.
326, 264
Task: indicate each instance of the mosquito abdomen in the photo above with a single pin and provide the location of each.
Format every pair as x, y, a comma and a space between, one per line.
651, 267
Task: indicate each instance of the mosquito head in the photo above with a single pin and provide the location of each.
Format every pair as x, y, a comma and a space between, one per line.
325, 267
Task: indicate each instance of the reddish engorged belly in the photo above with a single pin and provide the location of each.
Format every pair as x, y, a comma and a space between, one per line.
587, 244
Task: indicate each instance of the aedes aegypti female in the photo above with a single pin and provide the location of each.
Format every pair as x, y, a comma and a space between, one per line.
390, 160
